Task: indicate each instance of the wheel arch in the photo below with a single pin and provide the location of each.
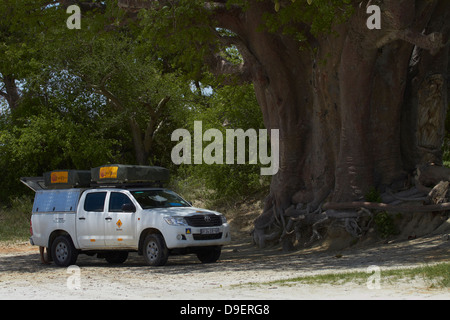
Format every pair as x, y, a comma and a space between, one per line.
144, 234
55, 234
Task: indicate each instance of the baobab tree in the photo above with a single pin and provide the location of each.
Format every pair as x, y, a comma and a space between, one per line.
358, 90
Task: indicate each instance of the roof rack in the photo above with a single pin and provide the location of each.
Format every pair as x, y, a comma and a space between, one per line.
155, 184
107, 176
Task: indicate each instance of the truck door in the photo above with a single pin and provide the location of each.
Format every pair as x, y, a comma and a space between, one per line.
120, 230
91, 221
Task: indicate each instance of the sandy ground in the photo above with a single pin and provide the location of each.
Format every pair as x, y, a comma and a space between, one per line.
22, 276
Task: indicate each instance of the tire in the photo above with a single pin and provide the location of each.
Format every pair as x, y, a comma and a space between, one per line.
209, 254
64, 253
155, 250
116, 257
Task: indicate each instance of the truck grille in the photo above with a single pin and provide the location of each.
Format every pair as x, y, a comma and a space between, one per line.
210, 220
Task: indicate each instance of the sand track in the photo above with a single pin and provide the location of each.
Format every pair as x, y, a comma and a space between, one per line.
22, 276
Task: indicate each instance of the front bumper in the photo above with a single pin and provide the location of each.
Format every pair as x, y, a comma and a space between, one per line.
186, 236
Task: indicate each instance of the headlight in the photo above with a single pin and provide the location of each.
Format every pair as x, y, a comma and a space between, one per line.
224, 220
175, 221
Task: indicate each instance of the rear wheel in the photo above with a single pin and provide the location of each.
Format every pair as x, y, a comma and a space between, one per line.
209, 254
63, 251
155, 250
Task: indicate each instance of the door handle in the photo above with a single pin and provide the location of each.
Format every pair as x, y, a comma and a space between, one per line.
108, 218
81, 218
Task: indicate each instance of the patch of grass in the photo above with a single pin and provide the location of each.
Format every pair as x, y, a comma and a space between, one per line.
437, 275
15, 221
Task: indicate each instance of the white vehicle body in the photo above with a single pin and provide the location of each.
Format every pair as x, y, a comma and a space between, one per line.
112, 219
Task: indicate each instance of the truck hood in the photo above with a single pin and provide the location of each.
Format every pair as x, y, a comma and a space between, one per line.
182, 211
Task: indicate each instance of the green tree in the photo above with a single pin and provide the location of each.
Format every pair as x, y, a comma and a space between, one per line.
227, 107
137, 89
23, 28
54, 129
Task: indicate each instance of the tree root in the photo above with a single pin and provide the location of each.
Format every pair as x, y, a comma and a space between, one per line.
284, 225
387, 207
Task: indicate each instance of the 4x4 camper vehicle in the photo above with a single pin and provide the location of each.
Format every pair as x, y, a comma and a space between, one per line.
116, 209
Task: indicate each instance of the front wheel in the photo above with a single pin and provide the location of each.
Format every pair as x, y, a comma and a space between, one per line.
155, 250
64, 253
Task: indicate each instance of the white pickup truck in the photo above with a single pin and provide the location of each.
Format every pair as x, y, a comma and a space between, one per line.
113, 221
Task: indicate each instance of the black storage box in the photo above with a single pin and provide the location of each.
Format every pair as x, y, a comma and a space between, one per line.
67, 179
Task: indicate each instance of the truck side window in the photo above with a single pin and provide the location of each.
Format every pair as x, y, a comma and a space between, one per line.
117, 200
95, 201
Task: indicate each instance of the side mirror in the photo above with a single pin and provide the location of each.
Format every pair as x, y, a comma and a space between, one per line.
128, 207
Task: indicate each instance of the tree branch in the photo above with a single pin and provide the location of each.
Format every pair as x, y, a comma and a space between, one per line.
220, 66
153, 124
136, 5
406, 20
100, 89
432, 42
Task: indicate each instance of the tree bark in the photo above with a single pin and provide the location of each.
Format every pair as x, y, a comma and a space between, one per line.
143, 139
10, 91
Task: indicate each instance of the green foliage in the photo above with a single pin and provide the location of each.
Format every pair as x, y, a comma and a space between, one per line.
181, 34
230, 107
122, 67
385, 225
15, 221
373, 195
80, 88
383, 221
318, 15
22, 24
48, 141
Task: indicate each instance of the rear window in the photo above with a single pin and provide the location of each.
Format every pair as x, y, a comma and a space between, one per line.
95, 201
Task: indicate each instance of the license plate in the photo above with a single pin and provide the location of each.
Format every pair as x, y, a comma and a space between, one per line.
210, 231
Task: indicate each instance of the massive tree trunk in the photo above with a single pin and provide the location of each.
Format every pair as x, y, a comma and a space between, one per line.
356, 109
347, 108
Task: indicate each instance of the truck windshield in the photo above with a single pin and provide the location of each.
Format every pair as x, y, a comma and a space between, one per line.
149, 199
